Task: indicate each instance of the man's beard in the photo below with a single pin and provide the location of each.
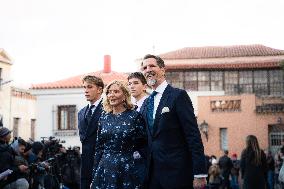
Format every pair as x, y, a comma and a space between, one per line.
151, 82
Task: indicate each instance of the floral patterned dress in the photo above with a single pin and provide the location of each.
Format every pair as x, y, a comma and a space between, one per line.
119, 135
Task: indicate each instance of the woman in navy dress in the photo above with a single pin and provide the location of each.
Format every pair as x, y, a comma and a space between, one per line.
121, 131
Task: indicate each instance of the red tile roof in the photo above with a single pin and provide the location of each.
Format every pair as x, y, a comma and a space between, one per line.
76, 82
236, 66
221, 51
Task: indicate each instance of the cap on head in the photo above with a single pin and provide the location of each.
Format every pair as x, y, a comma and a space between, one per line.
4, 131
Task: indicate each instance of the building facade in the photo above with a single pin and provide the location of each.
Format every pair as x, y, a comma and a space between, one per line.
17, 106
5, 87
59, 102
252, 82
230, 118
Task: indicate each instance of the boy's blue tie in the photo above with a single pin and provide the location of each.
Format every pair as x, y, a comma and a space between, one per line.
150, 110
89, 113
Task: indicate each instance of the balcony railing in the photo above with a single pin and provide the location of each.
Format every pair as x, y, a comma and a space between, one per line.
65, 132
270, 108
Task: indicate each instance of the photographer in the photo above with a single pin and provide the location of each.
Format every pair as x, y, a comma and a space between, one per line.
19, 146
34, 158
36, 153
70, 170
7, 161
64, 164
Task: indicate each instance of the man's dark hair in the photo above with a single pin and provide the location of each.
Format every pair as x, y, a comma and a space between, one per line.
28, 147
160, 62
226, 152
37, 147
22, 142
94, 80
139, 76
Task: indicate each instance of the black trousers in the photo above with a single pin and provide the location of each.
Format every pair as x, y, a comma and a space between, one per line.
153, 182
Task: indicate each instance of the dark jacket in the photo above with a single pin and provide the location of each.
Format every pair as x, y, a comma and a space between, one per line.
225, 164
88, 135
7, 161
176, 151
254, 176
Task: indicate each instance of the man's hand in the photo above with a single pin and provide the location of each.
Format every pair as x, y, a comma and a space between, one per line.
199, 183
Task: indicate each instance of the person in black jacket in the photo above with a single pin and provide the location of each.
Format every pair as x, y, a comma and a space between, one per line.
137, 86
88, 125
7, 161
253, 165
225, 164
176, 154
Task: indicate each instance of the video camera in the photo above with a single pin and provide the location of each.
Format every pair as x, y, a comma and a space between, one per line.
40, 167
52, 146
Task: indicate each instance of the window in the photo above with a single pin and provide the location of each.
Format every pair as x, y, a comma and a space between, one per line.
67, 117
175, 79
190, 82
276, 82
260, 82
33, 124
231, 82
223, 139
275, 141
216, 81
203, 81
245, 81
16, 123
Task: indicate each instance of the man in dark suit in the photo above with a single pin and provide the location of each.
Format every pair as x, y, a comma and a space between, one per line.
176, 157
88, 123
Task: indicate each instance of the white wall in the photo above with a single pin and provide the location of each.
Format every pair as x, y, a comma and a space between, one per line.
5, 94
47, 102
25, 110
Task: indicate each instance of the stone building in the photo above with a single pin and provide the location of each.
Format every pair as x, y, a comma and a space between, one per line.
17, 105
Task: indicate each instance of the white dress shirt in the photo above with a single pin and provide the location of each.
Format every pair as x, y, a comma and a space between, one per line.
95, 104
138, 103
157, 98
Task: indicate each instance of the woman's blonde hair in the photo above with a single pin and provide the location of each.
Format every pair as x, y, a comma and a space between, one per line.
127, 103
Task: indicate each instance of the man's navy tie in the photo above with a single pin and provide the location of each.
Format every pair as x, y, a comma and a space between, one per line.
89, 113
150, 110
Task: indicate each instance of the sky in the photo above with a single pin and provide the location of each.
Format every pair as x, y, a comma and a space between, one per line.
49, 40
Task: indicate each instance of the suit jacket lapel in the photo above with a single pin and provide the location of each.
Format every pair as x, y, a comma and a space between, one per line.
161, 105
83, 117
96, 112
95, 116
